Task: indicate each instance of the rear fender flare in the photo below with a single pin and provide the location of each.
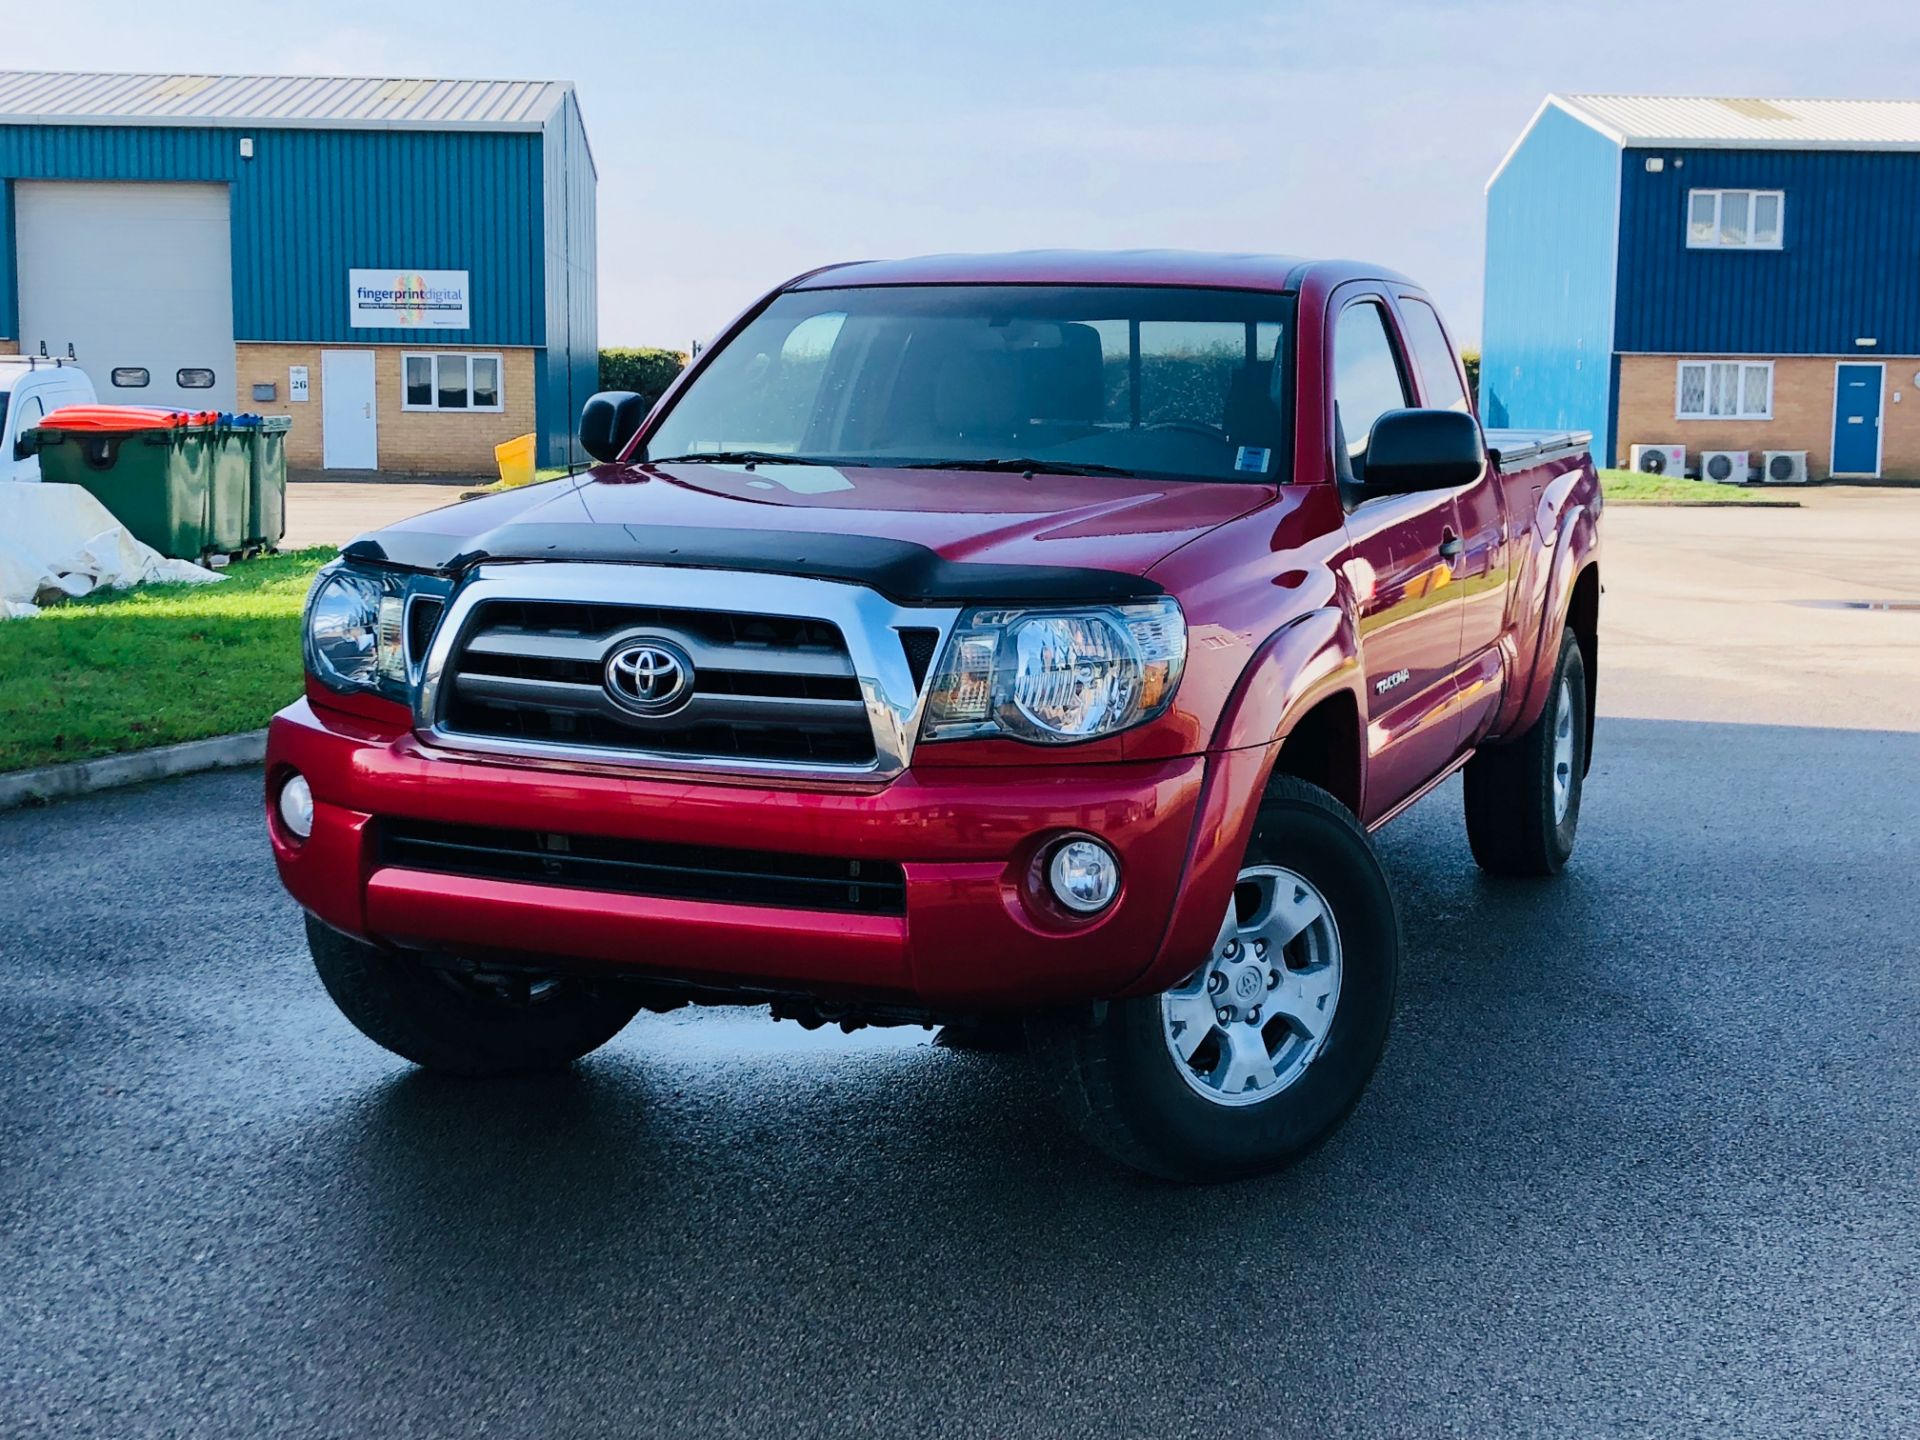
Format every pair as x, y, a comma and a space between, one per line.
1574, 543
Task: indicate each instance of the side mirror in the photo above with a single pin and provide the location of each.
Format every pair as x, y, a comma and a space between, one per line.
609, 421
1411, 450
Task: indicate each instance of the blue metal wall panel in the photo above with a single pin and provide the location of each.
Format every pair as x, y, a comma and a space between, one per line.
313, 204
9, 283
1548, 324
1848, 266
570, 368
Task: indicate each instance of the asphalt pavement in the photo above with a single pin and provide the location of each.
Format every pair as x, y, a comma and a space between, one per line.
1643, 1157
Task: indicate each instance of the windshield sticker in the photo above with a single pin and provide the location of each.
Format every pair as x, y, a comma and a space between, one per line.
1253, 459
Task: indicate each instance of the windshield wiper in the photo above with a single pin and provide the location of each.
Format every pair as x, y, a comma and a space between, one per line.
743, 457
1028, 467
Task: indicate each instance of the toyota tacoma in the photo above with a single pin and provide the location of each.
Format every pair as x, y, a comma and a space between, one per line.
1027, 641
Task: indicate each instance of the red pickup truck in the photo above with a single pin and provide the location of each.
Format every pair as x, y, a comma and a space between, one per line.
963, 639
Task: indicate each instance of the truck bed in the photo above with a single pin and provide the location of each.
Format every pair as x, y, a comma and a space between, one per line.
1517, 449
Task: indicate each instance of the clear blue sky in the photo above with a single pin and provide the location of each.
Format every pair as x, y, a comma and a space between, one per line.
740, 141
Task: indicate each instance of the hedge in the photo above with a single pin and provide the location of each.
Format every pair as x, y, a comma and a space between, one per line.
645, 371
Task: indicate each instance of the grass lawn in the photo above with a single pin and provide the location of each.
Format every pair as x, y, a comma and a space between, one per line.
131, 669
1630, 487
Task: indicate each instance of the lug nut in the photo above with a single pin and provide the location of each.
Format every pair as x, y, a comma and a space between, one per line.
1273, 980
1232, 950
1253, 1016
1224, 1014
1216, 982
1260, 947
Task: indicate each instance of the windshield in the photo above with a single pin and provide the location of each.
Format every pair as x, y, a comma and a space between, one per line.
1156, 381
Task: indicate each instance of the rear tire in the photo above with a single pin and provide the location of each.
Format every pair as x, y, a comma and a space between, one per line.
447, 1021
1523, 798
1117, 1070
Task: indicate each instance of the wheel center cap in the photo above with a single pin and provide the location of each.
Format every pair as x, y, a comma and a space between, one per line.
1249, 982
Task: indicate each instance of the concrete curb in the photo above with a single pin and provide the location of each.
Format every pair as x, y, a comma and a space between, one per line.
57, 782
1704, 504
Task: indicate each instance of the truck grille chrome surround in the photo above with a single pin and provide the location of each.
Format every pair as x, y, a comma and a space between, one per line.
789, 676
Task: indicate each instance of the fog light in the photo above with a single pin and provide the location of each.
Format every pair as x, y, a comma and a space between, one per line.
296, 806
1084, 875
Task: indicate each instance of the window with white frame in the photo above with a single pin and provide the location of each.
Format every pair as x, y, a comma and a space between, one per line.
449, 380
1735, 219
1725, 390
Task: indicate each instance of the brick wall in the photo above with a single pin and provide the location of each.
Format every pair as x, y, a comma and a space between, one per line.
9, 347
1802, 412
414, 442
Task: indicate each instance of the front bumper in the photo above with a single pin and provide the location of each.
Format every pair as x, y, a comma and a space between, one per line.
969, 935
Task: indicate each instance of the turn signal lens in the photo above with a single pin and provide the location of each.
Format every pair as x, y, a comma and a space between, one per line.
389, 643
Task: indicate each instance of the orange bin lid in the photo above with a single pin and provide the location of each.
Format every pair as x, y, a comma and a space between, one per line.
124, 417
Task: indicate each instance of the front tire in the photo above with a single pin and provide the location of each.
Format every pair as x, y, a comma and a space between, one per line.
1259, 1055
447, 1021
1523, 799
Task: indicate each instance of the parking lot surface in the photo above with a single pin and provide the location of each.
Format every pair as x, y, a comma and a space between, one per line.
332, 512
1643, 1157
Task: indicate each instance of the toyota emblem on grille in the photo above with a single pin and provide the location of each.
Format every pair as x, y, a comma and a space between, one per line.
649, 678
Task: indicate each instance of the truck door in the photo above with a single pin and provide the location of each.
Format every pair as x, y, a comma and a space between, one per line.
1481, 573
1402, 550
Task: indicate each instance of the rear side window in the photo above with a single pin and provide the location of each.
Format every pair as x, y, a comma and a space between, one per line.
1439, 373
1367, 380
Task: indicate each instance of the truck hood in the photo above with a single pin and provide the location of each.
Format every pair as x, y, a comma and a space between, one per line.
917, 534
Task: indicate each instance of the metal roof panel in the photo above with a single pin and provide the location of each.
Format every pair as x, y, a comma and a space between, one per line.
1752, 123
320, 102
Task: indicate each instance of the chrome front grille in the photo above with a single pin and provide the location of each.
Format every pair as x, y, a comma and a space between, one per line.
787, 674
764, 687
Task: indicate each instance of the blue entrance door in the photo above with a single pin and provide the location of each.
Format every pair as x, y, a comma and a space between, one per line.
1856, 419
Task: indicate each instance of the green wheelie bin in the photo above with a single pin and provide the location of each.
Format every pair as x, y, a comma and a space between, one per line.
152, 468
229, 482
267, 481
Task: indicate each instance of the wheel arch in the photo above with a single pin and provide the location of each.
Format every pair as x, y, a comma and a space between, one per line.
1325, 746
1583, 619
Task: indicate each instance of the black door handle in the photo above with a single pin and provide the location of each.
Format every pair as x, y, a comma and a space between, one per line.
1451, 546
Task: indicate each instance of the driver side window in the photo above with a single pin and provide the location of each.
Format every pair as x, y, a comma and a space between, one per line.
1368, 381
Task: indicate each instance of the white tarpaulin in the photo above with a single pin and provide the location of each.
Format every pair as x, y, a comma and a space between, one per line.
58, 541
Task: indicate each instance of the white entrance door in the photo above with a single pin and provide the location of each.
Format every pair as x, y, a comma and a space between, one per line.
349, 434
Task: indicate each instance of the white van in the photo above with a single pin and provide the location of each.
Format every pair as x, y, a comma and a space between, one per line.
32, 388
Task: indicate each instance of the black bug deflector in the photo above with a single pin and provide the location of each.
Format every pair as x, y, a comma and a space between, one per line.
899, 569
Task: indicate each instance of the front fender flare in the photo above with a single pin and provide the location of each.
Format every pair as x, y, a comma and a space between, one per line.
1313, 656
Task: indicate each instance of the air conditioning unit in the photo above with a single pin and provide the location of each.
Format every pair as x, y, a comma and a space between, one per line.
1783, 467
1660, 460
1725, 467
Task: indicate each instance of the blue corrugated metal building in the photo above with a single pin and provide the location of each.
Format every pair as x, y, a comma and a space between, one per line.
1734, 278
406, 267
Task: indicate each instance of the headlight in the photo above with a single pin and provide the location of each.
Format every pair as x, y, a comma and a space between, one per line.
1056, 675
354, 630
